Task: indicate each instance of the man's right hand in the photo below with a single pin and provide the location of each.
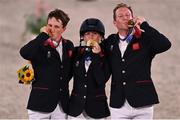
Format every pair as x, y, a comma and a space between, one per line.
47, 30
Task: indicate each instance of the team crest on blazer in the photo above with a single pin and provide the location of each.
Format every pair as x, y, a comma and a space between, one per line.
136, 46
48, 54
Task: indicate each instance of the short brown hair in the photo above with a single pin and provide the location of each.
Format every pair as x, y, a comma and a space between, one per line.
59, 14
119, 6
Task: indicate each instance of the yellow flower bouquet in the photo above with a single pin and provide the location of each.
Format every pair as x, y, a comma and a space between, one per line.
25, 75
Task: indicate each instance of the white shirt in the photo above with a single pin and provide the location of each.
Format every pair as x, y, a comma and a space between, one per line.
122, 45
87, 64
59, 49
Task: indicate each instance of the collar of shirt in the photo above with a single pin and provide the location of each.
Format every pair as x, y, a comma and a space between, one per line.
122, 45
121, 37
87, 63
127, 38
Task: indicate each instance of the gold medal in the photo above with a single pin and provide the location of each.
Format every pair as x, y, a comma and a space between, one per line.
91, 43
131, 23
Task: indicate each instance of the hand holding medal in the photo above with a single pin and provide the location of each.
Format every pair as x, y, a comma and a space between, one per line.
94, 45
135, 24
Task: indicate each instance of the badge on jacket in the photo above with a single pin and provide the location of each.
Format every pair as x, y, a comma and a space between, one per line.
136, 46
48, 54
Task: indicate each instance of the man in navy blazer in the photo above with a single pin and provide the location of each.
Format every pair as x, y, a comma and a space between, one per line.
50, 55
130, 53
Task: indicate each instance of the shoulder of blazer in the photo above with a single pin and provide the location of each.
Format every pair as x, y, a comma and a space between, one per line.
78, 51
112, 39
68, 43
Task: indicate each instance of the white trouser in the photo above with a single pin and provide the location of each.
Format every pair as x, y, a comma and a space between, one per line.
128, 112
83, 116
57, 114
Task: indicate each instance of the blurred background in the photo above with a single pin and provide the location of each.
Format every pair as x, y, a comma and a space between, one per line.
14, 32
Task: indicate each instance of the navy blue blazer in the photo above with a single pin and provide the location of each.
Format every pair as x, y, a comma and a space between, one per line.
131, 74
52, 74
88, 92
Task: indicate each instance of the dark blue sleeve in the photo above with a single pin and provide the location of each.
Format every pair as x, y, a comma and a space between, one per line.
30, 50
159, 42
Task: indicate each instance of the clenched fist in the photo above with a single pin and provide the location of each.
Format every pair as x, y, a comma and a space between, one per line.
47, 30
96, 48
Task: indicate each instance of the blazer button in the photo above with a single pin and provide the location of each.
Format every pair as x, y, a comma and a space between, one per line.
123, 71
85, 86
61, 67
60, 78
124, 83
123, 60
85, 75
60, 89
84, 97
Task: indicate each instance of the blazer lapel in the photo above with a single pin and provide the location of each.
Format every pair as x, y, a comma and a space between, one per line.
116, 49
82, 66
129, 47
64, 50
51, 52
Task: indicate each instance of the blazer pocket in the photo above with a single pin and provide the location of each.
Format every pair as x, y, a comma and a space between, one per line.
40, 88
144, 82
100, 97
40, 95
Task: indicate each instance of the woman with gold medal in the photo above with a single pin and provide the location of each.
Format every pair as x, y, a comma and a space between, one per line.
88, 98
